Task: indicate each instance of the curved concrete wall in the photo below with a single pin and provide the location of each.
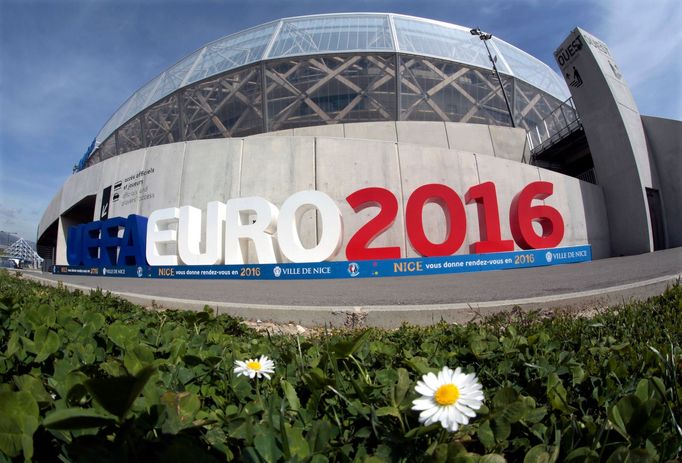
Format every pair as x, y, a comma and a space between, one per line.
194, 173
491, 140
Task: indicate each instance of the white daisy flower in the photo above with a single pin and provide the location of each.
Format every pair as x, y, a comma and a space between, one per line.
451, 398
255, 367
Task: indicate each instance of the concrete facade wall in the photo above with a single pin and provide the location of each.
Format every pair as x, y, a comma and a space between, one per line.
51, 214
664, 138
615, 136
504, 142
194, 173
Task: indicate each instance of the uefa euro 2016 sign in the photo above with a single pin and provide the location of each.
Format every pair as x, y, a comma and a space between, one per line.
144, 243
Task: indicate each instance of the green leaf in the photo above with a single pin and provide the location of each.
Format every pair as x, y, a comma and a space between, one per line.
46, 343
535, 415
321, 433
386, 411
420, 365
117, 394
479, 348
625, 455
578, 374
315, 378
556, 394
538, 454
485, 435
137, 358
582, 454
93, 321
501, 429
492, 458
298, 446
402, 386
77, 418
181, 408
34, 386
121, 334
290, 394
504, 397
14, 345
18, 421
41, 316
344, 349
624, 412
654, 413
266, 445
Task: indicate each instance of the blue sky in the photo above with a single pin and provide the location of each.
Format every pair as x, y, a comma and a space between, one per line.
66, 65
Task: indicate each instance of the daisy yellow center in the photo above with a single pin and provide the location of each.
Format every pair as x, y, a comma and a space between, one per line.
447, 394
253, 365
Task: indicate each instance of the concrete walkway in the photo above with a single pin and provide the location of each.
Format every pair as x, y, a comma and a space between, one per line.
388, 302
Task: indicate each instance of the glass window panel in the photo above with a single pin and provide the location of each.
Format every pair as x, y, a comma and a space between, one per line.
161, 122
471, 94
532, 70
228, 106
330, 90
441, 40
129, 137
108, 148
324, 34
534, 107
233, 51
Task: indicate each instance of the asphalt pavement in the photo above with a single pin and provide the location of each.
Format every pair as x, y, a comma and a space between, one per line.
418, 299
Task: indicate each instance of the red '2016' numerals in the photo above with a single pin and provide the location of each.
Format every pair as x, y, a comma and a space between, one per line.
453, 208
485, 197
358, 246
522, 214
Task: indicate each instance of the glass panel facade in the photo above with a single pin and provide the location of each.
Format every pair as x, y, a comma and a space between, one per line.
334, 34
161, 122
108, 148
330, 89
329, 69
232, 52
228, 106
532, 70
129, 137
422, 37
436, 90
531, 106
337, 33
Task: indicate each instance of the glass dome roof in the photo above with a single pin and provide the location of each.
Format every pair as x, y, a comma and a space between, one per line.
338, 33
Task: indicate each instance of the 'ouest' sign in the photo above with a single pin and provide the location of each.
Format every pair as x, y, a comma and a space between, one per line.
175, 236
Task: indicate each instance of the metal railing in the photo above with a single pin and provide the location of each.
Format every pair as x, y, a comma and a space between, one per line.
558, 124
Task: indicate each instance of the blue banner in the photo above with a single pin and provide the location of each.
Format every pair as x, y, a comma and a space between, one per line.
358, 269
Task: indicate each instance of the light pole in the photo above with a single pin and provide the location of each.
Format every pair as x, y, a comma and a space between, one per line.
484, 36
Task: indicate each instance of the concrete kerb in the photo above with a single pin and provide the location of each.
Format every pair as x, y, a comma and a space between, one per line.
391, 316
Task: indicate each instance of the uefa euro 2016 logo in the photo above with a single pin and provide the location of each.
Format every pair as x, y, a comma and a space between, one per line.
353, 269
277, 271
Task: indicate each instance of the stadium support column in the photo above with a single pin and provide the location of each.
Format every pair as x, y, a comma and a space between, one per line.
615, 135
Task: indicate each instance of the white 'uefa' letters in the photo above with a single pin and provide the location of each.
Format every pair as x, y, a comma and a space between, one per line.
189, 235
158, 234
238, 230
287, 227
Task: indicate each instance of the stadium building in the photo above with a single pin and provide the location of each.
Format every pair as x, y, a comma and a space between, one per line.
341, 103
